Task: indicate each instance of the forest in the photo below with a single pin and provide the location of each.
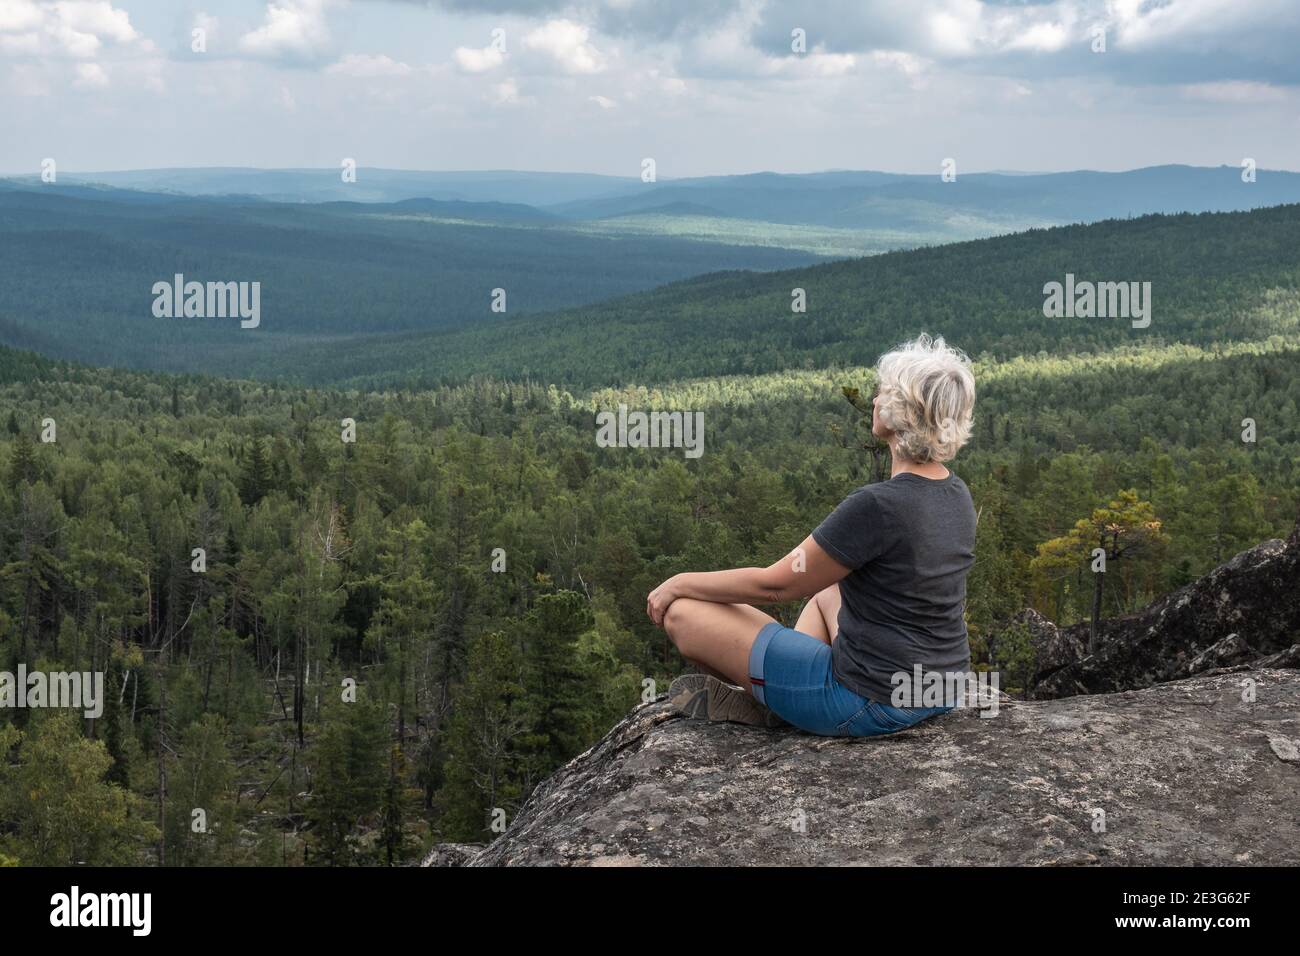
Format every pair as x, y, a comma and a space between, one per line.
78, 273
1215, 278
339, 625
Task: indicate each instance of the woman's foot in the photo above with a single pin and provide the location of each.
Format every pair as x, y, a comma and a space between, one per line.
705, 697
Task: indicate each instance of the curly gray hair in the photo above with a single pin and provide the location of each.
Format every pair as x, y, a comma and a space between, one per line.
927, 398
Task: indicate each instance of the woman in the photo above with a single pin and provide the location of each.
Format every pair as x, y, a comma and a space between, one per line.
886, 574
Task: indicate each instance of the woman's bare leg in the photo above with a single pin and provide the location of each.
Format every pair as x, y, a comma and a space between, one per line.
716, 637
812, 622
820, 616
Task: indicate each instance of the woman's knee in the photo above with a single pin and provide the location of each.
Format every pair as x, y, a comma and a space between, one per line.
677, 617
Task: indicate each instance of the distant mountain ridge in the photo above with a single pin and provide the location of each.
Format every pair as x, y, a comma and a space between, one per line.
841, 198
910, 202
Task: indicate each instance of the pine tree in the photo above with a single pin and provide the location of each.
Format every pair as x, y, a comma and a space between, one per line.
1124, 529
255, 478
24, 467
349, 774
482, 772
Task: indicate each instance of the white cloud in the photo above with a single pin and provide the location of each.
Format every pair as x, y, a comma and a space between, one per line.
1234, 91
363, 66
567, 44
905, 63
95, 33
97, 17
16, 15
820, 63
473, 60
91, 76
953, 31
1039, 38
506, 93
70, 28
604, 102
294, 29
20, 44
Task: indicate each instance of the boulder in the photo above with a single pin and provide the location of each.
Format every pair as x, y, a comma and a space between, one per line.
1189, 772
1248, 607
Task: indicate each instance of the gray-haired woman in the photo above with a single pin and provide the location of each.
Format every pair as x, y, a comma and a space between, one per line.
885, 574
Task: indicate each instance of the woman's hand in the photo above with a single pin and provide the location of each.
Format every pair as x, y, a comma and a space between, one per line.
802, 573
656, 605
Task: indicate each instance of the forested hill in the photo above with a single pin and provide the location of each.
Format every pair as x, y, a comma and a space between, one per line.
80, 268
18, 366
1215, 277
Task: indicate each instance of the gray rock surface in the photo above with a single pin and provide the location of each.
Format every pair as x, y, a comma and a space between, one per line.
1053, 647
1186, 772
1244, 611
451, 854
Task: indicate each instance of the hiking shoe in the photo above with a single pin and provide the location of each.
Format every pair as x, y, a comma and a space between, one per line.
688, 695
735, 705
686, 683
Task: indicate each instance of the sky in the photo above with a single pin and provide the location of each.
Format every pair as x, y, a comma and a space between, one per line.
703, 87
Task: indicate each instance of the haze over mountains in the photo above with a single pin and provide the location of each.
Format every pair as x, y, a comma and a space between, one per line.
842, 198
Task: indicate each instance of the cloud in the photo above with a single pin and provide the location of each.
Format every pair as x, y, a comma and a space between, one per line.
293, 30
567, 44
42, 36
20, 44
17, 15
80, 29
506, 93
473, 60
1040, 38
1148, 41
91, 76
96, 17
1234, 91
361, 65
604, 102
904, 63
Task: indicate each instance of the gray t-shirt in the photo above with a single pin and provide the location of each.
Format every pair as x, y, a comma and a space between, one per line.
910, 541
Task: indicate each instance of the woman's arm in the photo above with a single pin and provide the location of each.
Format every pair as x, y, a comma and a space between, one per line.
801, 573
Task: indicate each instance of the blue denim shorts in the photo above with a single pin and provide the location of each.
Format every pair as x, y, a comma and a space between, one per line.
791, 674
